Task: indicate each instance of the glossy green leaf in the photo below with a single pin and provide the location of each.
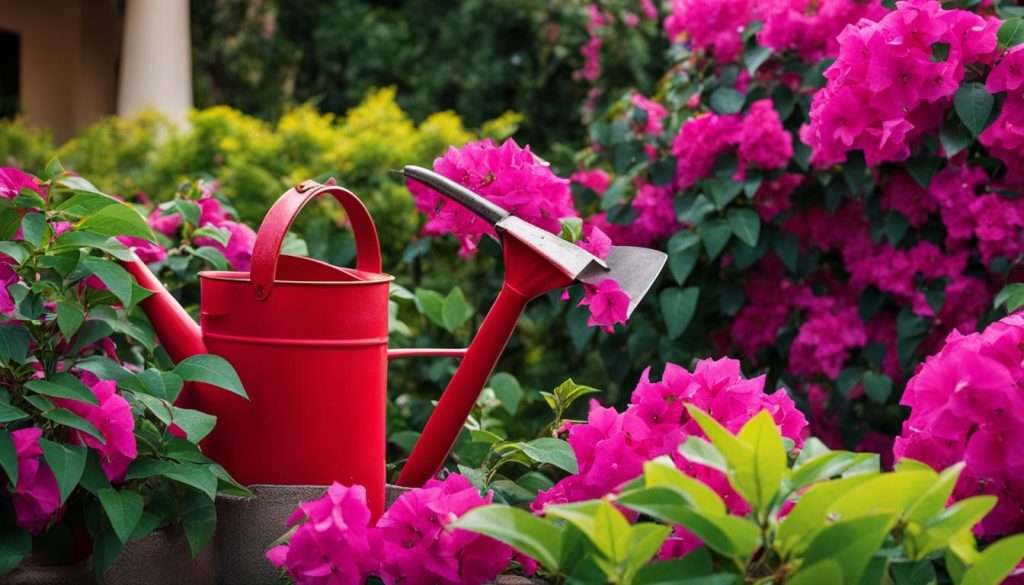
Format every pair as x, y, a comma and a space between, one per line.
1012, 296
641, 542
196, 424
15, 250
33, 228
683, 252
678, 306
745, 225
8, 458
763, 477
715, 234
755, 56
551, 451
117, 279
14, 342
662, 472
850, 543
599, 521
106, 244
123, 508
69, 387
934, 499
808, 517
65, 417
889, 492
823, 467
1011, 32
821, 573
508, 391
726, 100
697, 450
9, 413
213, 370
877, 386
69, 318
973, 104
958, 518
198, 519
213, 257
995, 562
533, 536
15, 545
67, 462
456, 310
117, 220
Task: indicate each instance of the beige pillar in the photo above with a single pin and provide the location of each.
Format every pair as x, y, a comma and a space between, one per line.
156, 58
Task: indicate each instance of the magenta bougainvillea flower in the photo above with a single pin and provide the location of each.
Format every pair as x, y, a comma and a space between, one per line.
412, 544
710, 25
510, 176
331, 544
656, 113
113, 418
967, 404
607, 303
241, 238
612, 446
13, 180
885, 89
36, 497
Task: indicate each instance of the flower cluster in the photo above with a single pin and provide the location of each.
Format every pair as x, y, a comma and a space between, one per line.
1005, 137
508, 175
241, 238
612, 446
334, 542
967, 404
888, 86
758, 136
811, 27
710, 25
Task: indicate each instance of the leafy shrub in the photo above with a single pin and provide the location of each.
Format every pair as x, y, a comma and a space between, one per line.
90, 439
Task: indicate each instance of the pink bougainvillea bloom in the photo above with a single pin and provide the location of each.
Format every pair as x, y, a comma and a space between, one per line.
167, 225
607, 303
36, 497
1008, 74
332, 545
764, 143
595, 241
13, 180
7, 277
596, 180
810, 27
238, 252
510, 176
113, 418
824, 341
710, 25
966, 403
417, 545
655, 113
148, 252
699, 142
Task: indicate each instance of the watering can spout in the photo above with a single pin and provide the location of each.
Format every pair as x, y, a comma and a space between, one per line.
177, 331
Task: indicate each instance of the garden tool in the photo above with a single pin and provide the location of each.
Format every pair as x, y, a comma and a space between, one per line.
309, 342
536, 261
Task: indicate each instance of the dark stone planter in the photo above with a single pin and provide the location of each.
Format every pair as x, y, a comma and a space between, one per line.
247, 526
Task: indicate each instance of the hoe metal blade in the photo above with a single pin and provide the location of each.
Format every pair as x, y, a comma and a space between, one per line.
634, 268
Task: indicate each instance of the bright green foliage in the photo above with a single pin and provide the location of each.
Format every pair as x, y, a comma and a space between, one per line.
846, 522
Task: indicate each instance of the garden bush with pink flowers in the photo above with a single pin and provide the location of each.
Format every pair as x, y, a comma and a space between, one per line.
93, 452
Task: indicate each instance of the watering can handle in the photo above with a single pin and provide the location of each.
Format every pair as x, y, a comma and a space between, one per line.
279, 219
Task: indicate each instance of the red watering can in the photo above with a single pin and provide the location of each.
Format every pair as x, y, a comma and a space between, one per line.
310, 342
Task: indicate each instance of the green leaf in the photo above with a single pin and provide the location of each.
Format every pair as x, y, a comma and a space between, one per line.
826, 571
722, 191
973, 104
15, 545
76, 183
117, 220
954, 137
507, 390
677, 307
456, 310
877, 386
10, 413
124, 509
683, 252
63, 386
662, 472
1011, 33
642, 542
14, 341
599, 521
745, 224
537, 538
53, 169
715, 234
86, 202
811, 510
933, 500
726, 100
195, 475
8, 457
67, 462
755, 56
63, 416
213, 257
198, 519
117, 279
995, 562
431, 304
196, 424
923, 168
69, 318
889, 492
106, 244
850, 543
213, 370
220, 235
767, 468
33, 228
14, 250
551, 451
1012, 296
822, 467
697, 450
958, 518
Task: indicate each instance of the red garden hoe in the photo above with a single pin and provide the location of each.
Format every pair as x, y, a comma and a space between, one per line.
309, 341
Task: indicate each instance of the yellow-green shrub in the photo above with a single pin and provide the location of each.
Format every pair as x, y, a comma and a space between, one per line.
22, 145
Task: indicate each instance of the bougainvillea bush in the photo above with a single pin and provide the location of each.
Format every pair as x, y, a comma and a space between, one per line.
93, 453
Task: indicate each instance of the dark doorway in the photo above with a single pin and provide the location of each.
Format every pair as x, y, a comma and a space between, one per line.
10, 66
